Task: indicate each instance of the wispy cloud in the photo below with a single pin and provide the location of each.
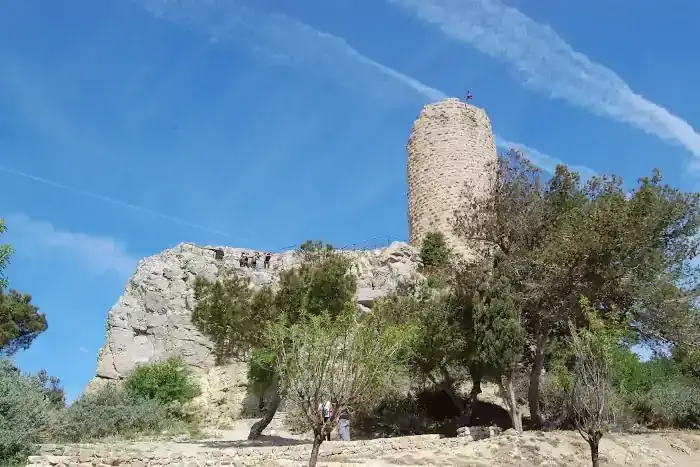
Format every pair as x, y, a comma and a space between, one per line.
281, 40
96, 253
83, 350
113, 201
549, 65
293, 43
544, 161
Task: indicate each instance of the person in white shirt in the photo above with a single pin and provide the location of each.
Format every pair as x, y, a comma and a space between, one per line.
326, 416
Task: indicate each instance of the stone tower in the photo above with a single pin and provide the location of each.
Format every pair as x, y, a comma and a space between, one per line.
451, 143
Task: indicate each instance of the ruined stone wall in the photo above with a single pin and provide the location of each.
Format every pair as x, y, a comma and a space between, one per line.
451, 143
155, 455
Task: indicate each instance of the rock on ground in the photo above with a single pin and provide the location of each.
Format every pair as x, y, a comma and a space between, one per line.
152, 319
279, 448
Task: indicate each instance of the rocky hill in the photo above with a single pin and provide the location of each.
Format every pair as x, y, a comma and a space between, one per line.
152, 319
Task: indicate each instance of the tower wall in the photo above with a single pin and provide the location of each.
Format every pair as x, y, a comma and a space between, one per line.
451, 143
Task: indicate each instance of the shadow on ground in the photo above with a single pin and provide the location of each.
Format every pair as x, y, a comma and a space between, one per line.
264, 440
428, 412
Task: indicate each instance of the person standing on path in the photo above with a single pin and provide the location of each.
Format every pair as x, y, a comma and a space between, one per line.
326, 418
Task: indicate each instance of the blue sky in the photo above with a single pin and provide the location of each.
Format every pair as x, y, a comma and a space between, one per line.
128, 126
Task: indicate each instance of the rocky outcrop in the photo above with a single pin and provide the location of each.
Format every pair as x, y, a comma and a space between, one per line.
152, 319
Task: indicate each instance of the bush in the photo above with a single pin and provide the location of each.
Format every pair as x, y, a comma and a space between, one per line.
434, 251
672, 403
111, 411
167, 382
24, 414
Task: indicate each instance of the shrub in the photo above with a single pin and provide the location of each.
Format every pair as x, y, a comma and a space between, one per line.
672, 403
167, 382
53, 392
111, 411
24, 414
434, 251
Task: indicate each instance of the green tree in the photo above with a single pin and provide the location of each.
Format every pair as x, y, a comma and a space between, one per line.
24, 415
53, 391
5, 255
20, 322
499, 339
688, 360
594, 403
167, 381
237, 319
337, 358
434, 251
627, 253
440, 347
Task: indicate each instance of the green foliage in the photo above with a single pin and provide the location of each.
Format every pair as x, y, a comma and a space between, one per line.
340, 358
434, 252
670, 403
111, 411
688, 360
20, 322
235, 317
595, 405
165, 382
224, 313
659, 393
499, 337
438, 343
238, 319
628, 253
24, 414
5, 255
53, 392
261, 366
322, 283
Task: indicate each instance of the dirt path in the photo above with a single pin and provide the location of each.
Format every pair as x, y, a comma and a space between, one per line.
659, 449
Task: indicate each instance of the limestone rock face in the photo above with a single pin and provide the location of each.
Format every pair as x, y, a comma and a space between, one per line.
452, 144
152, 319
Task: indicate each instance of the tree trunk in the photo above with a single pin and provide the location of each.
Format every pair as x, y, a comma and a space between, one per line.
594, 443
473, 399
318, 439
533, 393
448, 387
258, 427
505, 385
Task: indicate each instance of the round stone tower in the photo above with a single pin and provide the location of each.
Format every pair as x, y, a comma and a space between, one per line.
451, 144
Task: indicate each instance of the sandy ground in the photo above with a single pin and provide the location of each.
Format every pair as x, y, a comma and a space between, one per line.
662, 449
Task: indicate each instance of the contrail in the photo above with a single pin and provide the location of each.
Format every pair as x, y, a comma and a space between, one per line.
296, 44
549, 65
116, 202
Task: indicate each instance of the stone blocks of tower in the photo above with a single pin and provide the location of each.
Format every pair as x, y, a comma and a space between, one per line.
451, 144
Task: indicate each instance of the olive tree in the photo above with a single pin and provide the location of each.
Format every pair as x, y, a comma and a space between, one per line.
342, 358
593, 401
